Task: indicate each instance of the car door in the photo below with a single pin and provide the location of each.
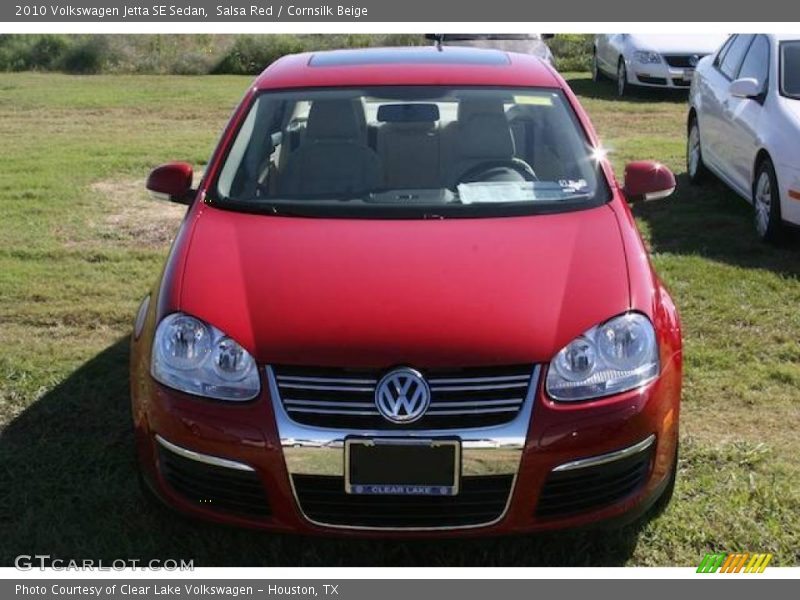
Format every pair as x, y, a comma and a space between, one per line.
742, 115
703, 98
716, 101
601, 50
612, 48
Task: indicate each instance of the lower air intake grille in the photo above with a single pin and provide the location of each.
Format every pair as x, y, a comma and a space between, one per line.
481, 499
683, 61
345, 399
569, 492
652, 80
213, 487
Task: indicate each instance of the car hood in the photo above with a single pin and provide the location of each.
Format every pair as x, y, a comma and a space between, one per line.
376, 293
678, 44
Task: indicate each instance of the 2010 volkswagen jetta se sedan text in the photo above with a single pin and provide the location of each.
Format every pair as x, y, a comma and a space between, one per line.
408, 298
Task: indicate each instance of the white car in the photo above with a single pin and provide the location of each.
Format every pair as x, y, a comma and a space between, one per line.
650, 60
523, 43
744, 125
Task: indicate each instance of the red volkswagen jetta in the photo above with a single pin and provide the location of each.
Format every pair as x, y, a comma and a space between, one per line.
408, 297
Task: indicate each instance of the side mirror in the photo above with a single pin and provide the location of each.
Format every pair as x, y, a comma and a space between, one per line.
172, 181
648, 180
746, 87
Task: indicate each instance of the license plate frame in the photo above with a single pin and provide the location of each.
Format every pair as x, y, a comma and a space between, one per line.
434, 466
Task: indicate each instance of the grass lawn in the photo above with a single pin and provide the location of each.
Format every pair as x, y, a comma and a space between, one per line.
80, 245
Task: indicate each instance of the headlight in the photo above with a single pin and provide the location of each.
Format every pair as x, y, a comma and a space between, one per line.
194, 357
616, 356
647, 58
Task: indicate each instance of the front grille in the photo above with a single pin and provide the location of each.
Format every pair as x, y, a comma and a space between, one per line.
214, 487
682, 61
481, 500
569, 492
651, 80
463, 398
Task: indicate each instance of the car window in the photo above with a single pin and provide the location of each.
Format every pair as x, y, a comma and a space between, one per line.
790, 69
724, 50
411, 146
756, 63
734, 56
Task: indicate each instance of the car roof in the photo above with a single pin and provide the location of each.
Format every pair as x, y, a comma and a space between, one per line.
417, 65
785, 37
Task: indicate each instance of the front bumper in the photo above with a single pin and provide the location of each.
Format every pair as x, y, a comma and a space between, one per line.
265, 450
660, 76
789, 184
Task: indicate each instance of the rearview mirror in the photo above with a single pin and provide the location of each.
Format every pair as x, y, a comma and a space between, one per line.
173, 182
746, 87
408, 113
648, 180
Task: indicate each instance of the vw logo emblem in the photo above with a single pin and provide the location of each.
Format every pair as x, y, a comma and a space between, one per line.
694, 60
402, 396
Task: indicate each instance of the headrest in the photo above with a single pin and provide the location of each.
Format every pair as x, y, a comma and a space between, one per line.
334, 119
486, 135
470, 107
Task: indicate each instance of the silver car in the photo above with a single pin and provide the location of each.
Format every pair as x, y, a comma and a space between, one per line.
523, 43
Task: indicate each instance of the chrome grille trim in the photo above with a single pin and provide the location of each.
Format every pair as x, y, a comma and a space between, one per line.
602, 459
469, 388
348, 396
203, 458
331, 411
318, 450
592, 483
474, 411
485, 451
326, 387
301, 379
292, 401
480, 403
446, 380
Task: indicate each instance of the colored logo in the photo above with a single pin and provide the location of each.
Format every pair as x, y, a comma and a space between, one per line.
737, 562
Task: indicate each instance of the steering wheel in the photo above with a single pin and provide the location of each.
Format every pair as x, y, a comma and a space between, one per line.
510, 169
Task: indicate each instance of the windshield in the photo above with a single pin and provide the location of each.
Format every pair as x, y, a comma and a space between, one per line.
790, 69
421, 149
